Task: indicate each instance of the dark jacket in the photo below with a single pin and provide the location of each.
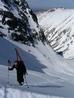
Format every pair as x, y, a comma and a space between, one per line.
21, 70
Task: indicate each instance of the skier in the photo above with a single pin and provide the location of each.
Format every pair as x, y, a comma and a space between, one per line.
20, 68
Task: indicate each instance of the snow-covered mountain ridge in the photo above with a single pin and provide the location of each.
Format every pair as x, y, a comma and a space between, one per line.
49, 74
58, 25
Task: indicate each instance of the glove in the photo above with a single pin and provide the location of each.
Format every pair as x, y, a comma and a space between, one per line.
9, 61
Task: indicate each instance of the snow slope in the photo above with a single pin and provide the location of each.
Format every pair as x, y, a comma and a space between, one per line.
58, 25
49, 75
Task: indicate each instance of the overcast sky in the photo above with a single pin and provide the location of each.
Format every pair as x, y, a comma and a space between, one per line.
46, 4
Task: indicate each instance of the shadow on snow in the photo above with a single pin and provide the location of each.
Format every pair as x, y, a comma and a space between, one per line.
7, 52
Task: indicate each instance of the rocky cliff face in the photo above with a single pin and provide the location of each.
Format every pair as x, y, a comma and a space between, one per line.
17, 21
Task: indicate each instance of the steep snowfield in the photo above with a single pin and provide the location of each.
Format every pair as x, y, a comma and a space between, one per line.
49, 75
58, 25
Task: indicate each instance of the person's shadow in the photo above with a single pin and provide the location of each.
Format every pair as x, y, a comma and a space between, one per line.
7, 51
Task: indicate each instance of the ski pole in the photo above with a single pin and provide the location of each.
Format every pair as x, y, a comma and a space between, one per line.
8, 76
9, 63
26, 82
